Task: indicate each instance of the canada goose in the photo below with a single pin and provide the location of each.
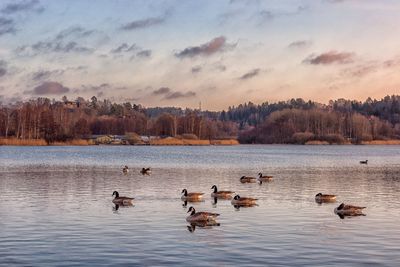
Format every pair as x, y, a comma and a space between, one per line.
264, 177
220, 194
145, 171
191, 196
125, 169
348, 210
324, 198
196, 217
364, 161
247, 179
121, 200
243, 201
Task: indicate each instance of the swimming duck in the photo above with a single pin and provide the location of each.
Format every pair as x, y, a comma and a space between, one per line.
364, 162
348, 210
324, 198
247, 179
243, 201
264, 177
145, 171
191, 196
121, 200
125, 169
220, 194
196, 217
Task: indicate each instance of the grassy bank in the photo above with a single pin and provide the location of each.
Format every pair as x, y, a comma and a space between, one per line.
22, 142
381, 142
373, 142
42, 142
169, 141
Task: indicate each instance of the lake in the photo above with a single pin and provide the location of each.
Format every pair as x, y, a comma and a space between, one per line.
56, 206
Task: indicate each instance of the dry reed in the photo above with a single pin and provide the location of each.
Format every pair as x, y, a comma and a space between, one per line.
22, 142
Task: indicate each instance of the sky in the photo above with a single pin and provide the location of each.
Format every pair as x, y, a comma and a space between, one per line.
180, 53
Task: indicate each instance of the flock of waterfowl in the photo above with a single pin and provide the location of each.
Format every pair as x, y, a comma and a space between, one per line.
204, 219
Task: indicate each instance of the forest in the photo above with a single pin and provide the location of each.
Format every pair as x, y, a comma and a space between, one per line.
294, 121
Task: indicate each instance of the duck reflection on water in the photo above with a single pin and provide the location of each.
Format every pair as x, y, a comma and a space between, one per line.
116, 207
203, 225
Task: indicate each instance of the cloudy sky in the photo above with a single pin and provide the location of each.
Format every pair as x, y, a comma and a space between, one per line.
178, 53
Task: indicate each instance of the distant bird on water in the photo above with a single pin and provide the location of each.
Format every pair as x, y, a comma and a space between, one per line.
264, 178
243, 201
324, 198
145, 171
125, 169
220, 194
121, 200
191, 197
196, 217
247, 179
364, 162
348, 210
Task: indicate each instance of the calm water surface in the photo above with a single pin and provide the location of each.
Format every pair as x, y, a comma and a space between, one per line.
56, 209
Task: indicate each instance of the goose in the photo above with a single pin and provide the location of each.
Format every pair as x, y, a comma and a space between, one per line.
348, 210
121, 200
324, 198
220, 194
364, 161
243, 201
191, 196
247, 179
125, 169
264, 177
145, 171
196, 217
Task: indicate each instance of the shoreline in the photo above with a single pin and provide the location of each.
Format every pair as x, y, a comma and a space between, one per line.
171, 141
157, 142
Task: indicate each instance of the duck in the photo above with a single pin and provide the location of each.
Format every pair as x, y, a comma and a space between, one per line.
122, 200
198, 217
348, 210
145, 171
364, 161
247, 179
243, 201
191, 196
324, 198
125, 169
264, 177
220, 194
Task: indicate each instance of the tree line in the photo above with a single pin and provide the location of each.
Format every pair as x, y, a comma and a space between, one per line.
292, 121
64, 120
